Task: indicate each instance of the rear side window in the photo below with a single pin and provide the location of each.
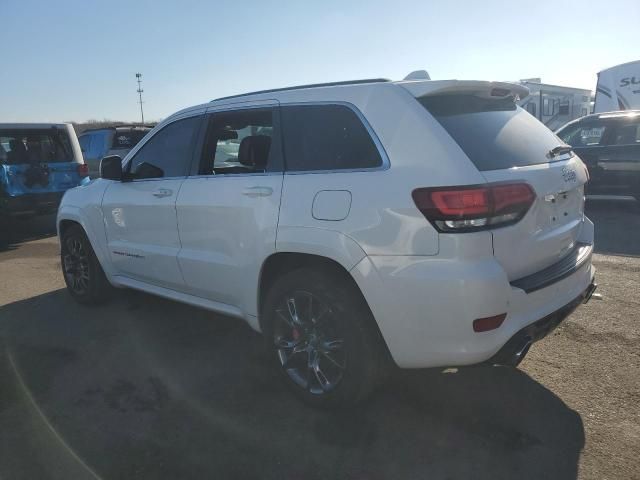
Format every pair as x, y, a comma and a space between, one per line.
241, 141
35, 146
326, 137
627, 134
494, 133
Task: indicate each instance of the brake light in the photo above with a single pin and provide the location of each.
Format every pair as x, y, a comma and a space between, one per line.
83, 170
476, 207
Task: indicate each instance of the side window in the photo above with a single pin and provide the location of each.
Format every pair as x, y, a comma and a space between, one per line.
326, 137
240, 141
531, 108
96, 149
85, 143
550, 106
168, 152
564, 108
627, 134
586, 135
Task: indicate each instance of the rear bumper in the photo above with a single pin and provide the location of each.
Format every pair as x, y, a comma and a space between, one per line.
30, 204
425, 306
514, 351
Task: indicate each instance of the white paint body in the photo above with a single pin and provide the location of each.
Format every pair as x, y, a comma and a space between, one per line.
206, 240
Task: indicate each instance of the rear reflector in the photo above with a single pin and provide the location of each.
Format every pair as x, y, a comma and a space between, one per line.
489, 323
475, 207
83, 170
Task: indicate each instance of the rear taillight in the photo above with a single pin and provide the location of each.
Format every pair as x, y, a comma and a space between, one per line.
477, 207
83, 170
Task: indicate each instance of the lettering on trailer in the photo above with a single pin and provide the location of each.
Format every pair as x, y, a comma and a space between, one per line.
625, 82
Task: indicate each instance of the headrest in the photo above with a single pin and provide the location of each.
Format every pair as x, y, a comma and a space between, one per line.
17, 145
254, 151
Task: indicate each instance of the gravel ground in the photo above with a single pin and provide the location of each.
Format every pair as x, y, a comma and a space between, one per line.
148, 388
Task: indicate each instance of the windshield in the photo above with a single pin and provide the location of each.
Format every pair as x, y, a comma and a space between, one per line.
494, 133
34, 146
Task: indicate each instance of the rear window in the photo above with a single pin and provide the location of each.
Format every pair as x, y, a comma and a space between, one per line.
127, 139
494, 133
35, 146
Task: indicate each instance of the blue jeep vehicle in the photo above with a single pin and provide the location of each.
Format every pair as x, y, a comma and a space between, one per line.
38, 163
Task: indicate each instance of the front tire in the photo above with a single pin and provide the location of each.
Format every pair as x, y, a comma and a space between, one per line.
85, 279
321, 337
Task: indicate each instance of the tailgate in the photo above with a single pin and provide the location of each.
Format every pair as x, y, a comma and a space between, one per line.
552, 226
507, 144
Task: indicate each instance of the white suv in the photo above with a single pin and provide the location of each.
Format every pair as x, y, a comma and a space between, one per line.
356, 224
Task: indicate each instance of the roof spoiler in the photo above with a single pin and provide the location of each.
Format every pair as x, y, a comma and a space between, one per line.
468, 87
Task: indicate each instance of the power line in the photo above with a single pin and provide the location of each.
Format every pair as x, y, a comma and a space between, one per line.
139, 79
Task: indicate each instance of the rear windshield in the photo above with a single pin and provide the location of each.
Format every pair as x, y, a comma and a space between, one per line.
494, 133
127, 139
35, 146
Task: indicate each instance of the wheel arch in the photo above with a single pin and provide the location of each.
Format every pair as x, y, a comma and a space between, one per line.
280, 263
68, 216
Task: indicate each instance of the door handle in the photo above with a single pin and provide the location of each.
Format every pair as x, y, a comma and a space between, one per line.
257, 191
162, 192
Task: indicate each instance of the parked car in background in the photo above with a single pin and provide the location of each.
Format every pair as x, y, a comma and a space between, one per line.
609, 144
38, 163
427, 223
100, 142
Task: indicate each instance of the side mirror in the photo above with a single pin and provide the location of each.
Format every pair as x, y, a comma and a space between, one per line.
111, 167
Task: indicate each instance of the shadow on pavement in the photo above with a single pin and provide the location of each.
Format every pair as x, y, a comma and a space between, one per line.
148, 388
617, 227
14, 232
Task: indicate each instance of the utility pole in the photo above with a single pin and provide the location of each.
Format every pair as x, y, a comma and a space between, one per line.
139, 77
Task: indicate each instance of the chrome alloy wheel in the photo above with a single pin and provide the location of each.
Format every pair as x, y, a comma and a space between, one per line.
75, 262
308, 343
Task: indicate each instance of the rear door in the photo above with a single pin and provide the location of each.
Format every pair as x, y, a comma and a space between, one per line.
228, 209
618, 164
140, 215
507, 144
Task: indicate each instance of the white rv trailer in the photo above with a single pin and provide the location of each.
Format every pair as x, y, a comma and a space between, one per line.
618, 88
555, 105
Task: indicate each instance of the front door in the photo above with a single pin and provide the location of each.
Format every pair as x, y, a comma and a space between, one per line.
228, 209
140, 214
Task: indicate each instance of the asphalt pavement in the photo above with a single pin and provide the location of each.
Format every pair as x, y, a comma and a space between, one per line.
148, 388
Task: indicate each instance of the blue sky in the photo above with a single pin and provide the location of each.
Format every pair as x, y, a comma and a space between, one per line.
76, 60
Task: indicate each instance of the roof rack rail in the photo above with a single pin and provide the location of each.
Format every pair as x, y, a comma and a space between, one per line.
313, 85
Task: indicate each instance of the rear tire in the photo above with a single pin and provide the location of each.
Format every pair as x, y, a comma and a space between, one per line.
85, 279
321, 337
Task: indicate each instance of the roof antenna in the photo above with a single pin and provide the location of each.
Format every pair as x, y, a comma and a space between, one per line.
418, 75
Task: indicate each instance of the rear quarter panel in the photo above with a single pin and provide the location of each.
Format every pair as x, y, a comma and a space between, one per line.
382, 219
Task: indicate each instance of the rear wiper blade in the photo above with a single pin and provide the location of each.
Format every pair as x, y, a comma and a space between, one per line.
559, 150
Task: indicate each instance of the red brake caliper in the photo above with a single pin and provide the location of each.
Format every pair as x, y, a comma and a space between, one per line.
296, 333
